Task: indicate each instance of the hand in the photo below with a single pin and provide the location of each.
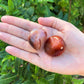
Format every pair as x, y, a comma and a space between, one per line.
15, 31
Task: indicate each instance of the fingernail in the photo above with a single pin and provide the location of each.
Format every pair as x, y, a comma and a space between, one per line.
41, 18
4, 17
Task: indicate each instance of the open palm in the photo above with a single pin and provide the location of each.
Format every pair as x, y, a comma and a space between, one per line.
15, 31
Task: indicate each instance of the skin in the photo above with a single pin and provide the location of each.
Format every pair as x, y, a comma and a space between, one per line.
15, 31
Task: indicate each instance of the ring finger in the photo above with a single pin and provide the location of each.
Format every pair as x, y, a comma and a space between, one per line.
16, 41
13, 30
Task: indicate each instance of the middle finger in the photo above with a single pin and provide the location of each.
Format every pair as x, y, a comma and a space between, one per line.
17, 42
13, 30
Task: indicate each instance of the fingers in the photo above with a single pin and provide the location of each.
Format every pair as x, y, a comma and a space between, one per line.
52, 22
17, 42
16, 31
32, 58
22, 23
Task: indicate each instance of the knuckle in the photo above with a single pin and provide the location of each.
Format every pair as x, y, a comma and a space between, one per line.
9, 27
22, 33
68, 23
52, 17
25, 44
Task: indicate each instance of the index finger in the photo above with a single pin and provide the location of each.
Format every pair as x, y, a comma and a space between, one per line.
53, 22
22, 23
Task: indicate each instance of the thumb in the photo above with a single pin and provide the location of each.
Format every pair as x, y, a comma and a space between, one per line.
53, 22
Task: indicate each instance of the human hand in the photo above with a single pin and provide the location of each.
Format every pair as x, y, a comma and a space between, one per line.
15, 31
